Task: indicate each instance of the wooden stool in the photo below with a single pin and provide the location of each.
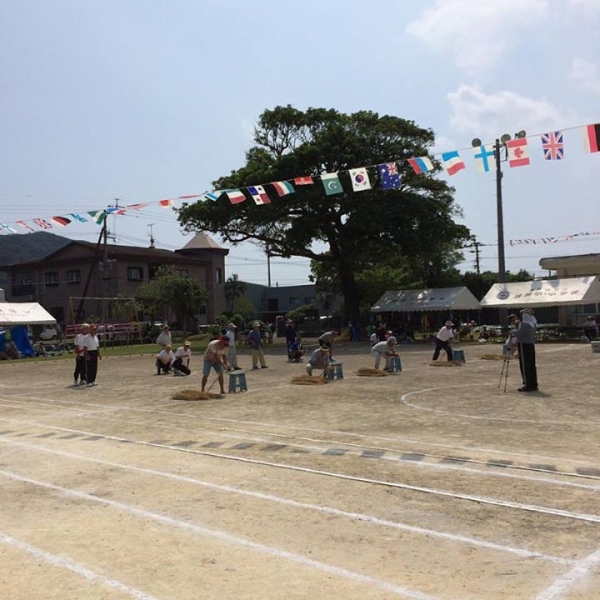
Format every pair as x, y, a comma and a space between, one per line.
335, 371
237, 382
395, 364
458, 355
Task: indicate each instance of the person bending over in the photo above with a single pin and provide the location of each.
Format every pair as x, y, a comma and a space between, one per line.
215, 358
442, 340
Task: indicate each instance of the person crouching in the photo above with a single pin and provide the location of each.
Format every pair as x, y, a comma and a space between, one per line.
215, 358
384, 350
164, 359
319, 359
181, 361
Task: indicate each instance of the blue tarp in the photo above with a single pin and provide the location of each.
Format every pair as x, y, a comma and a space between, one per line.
19, 336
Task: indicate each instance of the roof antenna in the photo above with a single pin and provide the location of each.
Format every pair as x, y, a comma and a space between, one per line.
151, 234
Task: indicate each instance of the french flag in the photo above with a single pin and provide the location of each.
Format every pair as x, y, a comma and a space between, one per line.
420, 164
453, 163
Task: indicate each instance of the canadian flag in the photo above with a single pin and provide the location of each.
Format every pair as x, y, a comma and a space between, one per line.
518, 152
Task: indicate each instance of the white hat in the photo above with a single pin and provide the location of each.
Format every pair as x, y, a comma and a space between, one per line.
449, 323
232, 325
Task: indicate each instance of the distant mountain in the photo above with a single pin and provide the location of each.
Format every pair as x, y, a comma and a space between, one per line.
19, 248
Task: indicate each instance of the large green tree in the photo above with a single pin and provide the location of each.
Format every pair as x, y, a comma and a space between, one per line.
355, 229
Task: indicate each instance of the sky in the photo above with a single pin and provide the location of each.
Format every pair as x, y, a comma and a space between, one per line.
140, 101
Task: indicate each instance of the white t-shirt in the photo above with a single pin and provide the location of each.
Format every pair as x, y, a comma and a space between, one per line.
445, 334
184, 353
231, 337
164, 338
382, 348
166, 356
79, 343
90, 342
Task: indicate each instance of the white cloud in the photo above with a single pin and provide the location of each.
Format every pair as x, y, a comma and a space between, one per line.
475, 34
589, 5
488, 116
585, 74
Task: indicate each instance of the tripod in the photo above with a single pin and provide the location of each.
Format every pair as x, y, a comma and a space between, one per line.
504, 372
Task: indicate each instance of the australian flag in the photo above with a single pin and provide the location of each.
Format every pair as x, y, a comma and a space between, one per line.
390, 178
553, 146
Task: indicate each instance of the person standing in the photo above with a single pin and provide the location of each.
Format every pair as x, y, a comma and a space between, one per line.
442, 340
290, 338
92, 355
384, 350
354, 337
525, 336
181, 362
215, 358
255, 341
164, 337
231, 352
79, 350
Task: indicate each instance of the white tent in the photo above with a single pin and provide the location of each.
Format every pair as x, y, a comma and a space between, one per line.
456, 298
24, 313
546, 292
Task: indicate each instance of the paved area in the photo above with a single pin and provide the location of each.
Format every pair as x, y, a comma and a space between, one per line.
431, 484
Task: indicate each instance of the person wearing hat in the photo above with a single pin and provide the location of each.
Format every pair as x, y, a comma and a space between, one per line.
181, 359
164, 359
384, 350
215, 358
326, 340
79, 350
255, 341
231, 352
164, 337
442, 340
525, 336
319, 359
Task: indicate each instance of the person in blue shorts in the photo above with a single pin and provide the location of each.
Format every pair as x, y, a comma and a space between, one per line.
215, 358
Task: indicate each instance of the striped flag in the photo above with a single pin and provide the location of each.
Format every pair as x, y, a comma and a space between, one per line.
62, 221
303, 181
453, 163
283, 188
421, 164
235, 196
98, 216
591, 137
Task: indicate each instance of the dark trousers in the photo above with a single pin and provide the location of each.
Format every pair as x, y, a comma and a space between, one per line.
79, 368
161, 367
179, 366
527, 366
91, 364
439, 345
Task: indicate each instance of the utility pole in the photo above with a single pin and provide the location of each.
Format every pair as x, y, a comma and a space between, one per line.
151, 235
268, 251
476, 245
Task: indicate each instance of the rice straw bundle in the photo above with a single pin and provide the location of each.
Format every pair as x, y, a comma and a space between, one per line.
492, 357
192, 395
309, 380
446, 363
364, 372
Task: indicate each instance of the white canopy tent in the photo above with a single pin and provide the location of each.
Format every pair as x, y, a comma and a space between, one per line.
546, 292
448, 299
24, 313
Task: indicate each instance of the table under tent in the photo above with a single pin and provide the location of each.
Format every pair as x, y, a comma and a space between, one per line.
17, 317
425, 310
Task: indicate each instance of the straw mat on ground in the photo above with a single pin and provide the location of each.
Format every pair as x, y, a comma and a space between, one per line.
492, 357
364, 372
309, 380
192, 395
446, 363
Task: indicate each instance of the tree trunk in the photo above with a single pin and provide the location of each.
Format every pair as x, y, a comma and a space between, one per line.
349, 292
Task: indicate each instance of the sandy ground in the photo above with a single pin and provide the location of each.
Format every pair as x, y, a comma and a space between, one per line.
432, 483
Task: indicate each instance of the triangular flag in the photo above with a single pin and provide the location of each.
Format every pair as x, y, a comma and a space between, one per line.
62, 221
331, 183
303, 180
360, 179
25, 225
421, 164
98, 216
390, 178
78, 217
591, 137
453, 163
235, 196
258, 194
42, 223
166, 203
485, 158
283, 188
517, 152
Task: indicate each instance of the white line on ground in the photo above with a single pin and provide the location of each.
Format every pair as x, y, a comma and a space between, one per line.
478, 499
228, 538
578, 572
304, 505
65, 563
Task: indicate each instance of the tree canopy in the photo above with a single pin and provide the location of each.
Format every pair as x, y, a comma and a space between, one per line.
413, 224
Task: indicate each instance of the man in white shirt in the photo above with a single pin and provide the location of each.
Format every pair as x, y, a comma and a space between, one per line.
164, 337
92, 354
164, 359
442, 340
79, 351
231, 352
181, 362
215, 358
384, 350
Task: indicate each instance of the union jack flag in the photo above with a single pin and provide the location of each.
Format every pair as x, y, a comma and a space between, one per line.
552, 144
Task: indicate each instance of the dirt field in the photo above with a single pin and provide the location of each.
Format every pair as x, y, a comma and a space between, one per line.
432, 483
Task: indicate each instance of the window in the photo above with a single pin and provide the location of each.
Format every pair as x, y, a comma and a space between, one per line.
23, 286
218, 275
51, 278
184, 272
135, 273
202, 310
74, 276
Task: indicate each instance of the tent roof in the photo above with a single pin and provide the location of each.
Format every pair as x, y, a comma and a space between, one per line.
545, 292
24, 313
456, 298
